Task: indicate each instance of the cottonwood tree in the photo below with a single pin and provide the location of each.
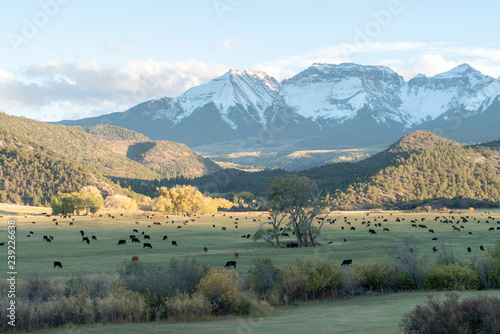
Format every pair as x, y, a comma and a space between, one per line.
299, 199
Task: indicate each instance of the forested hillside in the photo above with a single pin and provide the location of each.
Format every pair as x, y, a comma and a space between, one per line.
418, 168
30, 174
113, 151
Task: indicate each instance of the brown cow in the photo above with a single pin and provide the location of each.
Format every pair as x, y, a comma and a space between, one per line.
51, 238
205, 249
386, 229
136, 223
431, 231
237, 255
135, 258
193, 220
149, 226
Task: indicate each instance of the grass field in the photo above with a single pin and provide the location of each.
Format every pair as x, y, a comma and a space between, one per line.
376, 314
34, 255
368, 314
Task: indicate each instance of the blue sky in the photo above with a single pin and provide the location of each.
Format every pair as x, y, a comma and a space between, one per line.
67, 59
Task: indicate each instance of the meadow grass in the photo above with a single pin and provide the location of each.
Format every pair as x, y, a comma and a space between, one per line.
34, 255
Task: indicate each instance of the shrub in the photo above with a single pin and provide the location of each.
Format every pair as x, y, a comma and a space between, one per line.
185, 307
93, 286
122, 306
479, 314
262, 275
249, 306
37, 289
313, 275
451, 277
373, 274
221, 286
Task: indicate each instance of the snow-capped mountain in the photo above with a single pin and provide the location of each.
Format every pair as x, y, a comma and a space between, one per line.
323, 105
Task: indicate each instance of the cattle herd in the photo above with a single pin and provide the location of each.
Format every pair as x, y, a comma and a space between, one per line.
373, 224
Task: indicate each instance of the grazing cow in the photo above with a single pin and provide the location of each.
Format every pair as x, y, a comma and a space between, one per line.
243, 236
456, 229
165, 237
236, 226
284, 234
469, 250
434, 249
414, 225
147, 244
435, 238
174, 243
131, 236
2, 243
386, 229
179, 226
431, 231
248, 236
82, 233
136, 223
185, 223
134, 239
146, 236
224, 229
142, 233
292, 245
470, 233
230, 264
48, 240
45, 237
135, 231
205, 249
51, 238
193, 220
345, 240
135, 258
94, 237
85, 239
491, 229
121, 242
372, 231
71, 224
353, 228
237, 255
213, 225
31, 232
481, 248
57, 264
346, 262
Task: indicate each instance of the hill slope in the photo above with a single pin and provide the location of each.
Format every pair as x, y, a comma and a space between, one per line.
419, 167
30, 174
111, 150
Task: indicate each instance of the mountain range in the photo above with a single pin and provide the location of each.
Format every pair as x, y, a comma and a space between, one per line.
323, 107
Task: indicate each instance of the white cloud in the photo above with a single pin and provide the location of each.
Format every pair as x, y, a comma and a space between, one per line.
427, 64
85, 89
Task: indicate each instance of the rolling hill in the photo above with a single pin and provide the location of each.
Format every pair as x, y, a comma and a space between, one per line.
113, 151
418, 168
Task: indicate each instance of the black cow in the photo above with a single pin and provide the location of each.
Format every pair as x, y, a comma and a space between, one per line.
174, 243
131, 236
491, 229
134, 239
230, 264
86, 240
135, 231
57, 264
372, 231
82, 233
292, 245
121, 242
435, 238
94, 237
165, 237
346, 262
48, 240
2, 243
146, 236
45, 237
248, 236
469, 250
481, 248
147, 244
179, 226
353, 228
434, 249
284, 234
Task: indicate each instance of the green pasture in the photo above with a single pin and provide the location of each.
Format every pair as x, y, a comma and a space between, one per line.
368, 314
34, 255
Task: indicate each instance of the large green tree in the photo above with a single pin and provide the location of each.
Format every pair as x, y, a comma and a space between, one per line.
299, 199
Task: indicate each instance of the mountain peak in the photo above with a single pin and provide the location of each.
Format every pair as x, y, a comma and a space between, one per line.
461, 71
